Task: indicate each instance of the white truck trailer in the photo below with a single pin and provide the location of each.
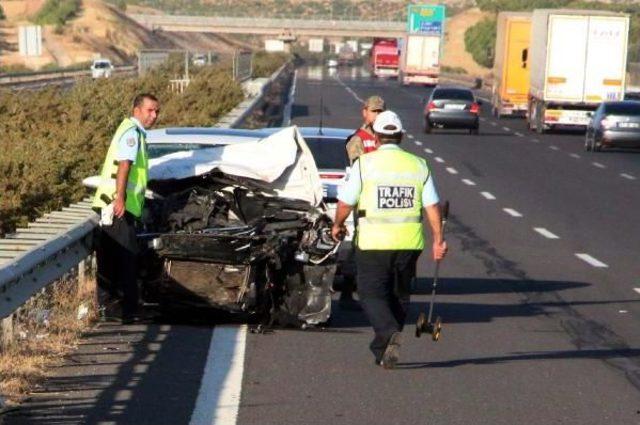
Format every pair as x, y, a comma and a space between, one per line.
578, 60
420, 59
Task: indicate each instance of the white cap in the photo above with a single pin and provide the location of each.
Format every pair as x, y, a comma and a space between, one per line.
388, 123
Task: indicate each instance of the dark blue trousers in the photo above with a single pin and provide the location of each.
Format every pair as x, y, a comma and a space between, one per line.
384, 286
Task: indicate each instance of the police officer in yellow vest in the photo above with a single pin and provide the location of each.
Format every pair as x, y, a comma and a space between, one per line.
120, 199
392, 189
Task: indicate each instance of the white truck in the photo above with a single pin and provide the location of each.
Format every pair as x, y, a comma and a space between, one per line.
578, 60
420, 59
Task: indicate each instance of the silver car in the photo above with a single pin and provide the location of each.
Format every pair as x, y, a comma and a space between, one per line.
614, 124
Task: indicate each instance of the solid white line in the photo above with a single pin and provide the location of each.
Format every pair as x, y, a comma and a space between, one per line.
410, 136
637, 290
438, 159
286, 114
468, 182
574, 155
506, 128
493, 123
488, 195
418, 142
452, 170
627, 176
220, 390
554, 148
547, 234
597, 164
427, 150
519, 134
592, 261
512, 212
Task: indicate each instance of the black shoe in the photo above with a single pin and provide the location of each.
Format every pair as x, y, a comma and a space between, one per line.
392, 352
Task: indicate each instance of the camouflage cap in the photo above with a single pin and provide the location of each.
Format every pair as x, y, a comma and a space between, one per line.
374, 103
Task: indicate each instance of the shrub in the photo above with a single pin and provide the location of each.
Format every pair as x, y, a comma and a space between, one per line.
57, 12
2, 15
480, 39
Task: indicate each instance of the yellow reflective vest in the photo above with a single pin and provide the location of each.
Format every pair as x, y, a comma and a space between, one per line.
138, 173
390, 204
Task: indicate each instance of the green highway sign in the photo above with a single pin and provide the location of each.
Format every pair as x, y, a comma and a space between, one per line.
426, 19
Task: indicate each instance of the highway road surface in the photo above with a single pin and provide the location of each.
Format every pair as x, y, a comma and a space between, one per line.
540, 298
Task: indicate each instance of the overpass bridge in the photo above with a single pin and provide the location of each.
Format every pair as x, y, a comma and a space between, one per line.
273, 27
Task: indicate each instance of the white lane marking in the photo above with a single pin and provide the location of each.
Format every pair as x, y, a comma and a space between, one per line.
220, 390
286, 114
410, 136
483, 119
590, 260
506, 128
484, 98
438, 159
427, 150
622, 311
574, 155
547, 234
452, 170
418, 142
554, 148
488, 196
519, 134
627, 176
495, 124
468, 182
535, 140
637, 290
512, 212
597, 164
348, 89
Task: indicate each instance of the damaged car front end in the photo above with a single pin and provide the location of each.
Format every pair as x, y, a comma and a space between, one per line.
239, 227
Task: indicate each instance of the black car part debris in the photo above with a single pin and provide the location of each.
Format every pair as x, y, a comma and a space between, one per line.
228, 243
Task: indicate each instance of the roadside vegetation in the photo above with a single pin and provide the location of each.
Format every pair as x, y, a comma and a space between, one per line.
480, 38
53, 138
57, 12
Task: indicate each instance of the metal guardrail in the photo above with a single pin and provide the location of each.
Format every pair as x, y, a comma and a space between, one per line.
34, 77
37, 255
33, 257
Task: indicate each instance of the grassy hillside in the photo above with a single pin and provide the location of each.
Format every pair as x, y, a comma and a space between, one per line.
480, 38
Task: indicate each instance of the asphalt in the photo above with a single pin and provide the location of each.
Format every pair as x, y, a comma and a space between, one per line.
532, 333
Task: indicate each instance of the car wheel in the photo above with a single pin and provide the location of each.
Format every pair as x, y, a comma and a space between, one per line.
427, 126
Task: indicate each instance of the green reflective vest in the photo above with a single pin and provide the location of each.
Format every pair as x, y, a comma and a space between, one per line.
138, 173
390, 204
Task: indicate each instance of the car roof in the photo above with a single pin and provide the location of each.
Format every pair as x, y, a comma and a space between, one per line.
222, 136
622, 102
460, 88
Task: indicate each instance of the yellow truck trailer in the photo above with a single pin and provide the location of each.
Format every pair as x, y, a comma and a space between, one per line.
510, 67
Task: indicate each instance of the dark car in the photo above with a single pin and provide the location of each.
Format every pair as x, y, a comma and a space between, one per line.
452, 107
614, 124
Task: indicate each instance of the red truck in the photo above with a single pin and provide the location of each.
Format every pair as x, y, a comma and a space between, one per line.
385, 57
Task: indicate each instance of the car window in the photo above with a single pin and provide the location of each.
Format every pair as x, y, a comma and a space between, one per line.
100, 65
623, 109
158, 150
452, 94
328, 153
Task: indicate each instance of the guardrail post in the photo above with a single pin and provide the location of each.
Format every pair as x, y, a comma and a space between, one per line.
7, 331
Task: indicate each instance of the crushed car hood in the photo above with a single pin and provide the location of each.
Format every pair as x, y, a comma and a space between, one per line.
282, 161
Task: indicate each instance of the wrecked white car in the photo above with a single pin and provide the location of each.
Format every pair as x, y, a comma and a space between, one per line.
235, 221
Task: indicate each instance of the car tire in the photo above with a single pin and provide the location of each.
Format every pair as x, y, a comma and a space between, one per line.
427, 126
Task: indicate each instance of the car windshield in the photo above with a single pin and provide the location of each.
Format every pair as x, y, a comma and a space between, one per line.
452, 94
328, 153
623, 109
161, 149
100, 65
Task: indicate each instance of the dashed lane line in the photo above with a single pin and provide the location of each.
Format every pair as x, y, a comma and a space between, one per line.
627, 176
483, 119
591, 260
519, 134
637, 290
427, 150
597, 164
488, 195
452, 170
495, 124
554, 148
468, 182
512, 212
410, 136
535, 141
419, 143
506, 128
438, 159
547, 234
575, 155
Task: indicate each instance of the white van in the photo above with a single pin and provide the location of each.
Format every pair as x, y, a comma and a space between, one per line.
101, 68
